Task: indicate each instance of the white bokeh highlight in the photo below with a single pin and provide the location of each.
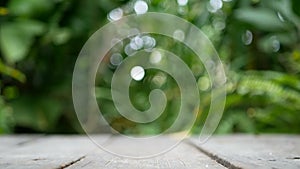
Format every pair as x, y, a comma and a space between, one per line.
140, 7
137, 73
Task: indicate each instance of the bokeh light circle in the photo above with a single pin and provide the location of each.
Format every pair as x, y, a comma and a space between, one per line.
92, 54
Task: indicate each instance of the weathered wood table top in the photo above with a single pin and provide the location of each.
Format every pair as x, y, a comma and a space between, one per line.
73, 151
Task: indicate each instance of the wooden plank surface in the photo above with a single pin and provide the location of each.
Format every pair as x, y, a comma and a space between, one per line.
249, 151
80, 152
183, 156
46, 152
234, 151
8, 142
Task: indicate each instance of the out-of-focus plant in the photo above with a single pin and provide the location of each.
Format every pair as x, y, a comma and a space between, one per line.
262, 101
258, 41
8, 92
6, 117
259, 44
40, 41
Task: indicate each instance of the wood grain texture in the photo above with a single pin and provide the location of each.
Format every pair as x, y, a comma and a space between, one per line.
71, 151
182, 156
46, 152
9, 142
248, 151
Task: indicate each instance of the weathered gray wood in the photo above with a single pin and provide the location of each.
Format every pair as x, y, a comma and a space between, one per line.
234, 151
47, 152
10, 142
80, 152
182, 156
248, 151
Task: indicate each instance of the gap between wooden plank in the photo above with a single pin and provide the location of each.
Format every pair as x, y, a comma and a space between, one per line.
47, 152
219, 160
183, 156
254, 151
71, 163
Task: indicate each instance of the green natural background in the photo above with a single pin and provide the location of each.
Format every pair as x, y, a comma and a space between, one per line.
257, 40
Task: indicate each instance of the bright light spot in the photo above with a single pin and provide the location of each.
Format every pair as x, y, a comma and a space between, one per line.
280, 17
178, 35
136, 43
129, 51
149, 43
214, 5
275, 44
155, 57
116, 59
140, 7
137, 73
203, 83
182, 2
247, 37
115, 14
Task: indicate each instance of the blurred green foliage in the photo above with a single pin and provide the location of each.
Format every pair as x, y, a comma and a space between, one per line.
257, 40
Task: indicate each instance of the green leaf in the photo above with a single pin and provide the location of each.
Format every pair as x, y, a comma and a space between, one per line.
31, 27
29, 7
285, 8
261, 18
6, 117
61, 36
14, 43
12, 72
17, 37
